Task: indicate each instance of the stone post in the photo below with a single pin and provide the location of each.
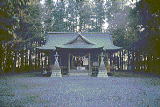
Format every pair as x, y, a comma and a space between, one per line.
56, 70
102, 69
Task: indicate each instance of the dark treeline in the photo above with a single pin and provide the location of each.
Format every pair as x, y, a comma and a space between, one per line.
134, 25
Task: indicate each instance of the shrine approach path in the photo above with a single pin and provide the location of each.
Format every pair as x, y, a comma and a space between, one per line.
32, 90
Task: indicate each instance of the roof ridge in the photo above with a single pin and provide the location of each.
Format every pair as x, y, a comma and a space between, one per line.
95, 33
82, 37
61, 32
78, 33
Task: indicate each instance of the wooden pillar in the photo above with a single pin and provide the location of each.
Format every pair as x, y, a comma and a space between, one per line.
107, 60
69, 63
128, 61
89, 64
121, 60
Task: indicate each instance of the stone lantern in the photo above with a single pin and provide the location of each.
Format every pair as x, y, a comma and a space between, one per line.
56, 70
102, 69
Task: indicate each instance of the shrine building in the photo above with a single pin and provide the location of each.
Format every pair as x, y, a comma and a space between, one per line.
78, 53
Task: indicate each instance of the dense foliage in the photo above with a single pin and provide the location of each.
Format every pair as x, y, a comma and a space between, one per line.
133, 23
148, 13
29, 20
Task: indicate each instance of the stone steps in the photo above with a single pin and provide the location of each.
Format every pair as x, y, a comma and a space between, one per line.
79, 74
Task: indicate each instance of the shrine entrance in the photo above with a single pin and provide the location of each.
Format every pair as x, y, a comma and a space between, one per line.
80, 63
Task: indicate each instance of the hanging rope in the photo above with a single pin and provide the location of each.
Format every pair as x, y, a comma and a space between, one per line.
80, 56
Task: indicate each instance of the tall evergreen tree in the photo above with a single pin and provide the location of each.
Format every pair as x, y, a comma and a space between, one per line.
10, 10
148, 18
30, 23
59, 14
71, 16
100, 15
48, 16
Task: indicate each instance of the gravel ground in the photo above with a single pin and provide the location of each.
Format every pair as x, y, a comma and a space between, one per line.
31, 90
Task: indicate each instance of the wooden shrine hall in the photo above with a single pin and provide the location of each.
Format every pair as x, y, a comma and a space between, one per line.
78, 53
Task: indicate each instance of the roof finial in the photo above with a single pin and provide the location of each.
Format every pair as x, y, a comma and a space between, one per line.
79, 33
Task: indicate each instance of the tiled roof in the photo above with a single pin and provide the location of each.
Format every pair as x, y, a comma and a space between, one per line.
80, 41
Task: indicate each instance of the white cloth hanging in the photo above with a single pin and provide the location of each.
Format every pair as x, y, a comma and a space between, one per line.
85, 61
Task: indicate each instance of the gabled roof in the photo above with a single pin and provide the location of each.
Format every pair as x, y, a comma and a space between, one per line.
78, 41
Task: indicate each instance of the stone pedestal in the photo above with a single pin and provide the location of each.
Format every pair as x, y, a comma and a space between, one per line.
55, 69
102, 69
102, 74
56, 73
